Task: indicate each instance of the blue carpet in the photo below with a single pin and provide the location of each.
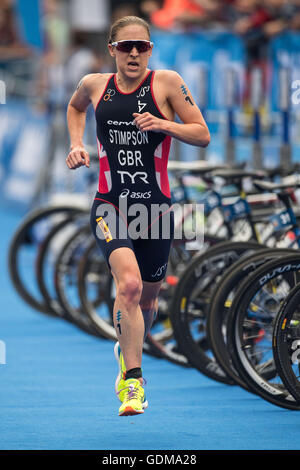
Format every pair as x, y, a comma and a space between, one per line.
57, 392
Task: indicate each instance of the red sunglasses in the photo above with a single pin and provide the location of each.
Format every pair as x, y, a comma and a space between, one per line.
126, 46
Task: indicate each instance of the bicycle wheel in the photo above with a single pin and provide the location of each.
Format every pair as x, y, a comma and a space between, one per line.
22, 251
46, 258
66, 274
161, 331
222, 299
250, 324
191, 300
180, 256
161, 336
93, 277
286, 342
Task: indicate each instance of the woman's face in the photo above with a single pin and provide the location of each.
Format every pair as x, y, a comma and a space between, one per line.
134, 63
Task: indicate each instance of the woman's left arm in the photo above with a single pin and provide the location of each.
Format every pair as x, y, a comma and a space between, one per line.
193, 129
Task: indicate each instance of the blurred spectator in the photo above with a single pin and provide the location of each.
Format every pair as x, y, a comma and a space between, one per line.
166, 17
55, 30
11, 47
82, 60
89, 16
265, 19
283, 15
295, 20
259, 21
204, 14
211, 15
75, 44
50, 74
92, 24
120, 8
248, 20
149, 7
249, 15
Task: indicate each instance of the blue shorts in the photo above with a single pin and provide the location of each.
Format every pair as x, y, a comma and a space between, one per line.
150, 240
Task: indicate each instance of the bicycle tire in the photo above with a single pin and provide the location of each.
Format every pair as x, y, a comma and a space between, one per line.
103, 325
163, 342
286, 341
245, 303
222, 296
64, 276
23, 235
203, 268
43, 263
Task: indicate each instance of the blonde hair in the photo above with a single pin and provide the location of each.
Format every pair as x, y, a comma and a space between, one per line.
125, 21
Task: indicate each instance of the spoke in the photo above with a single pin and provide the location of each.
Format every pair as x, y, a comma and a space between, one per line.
265, 365
296, 276
252, 337
263, 351
256, 308
276, 296
249, 322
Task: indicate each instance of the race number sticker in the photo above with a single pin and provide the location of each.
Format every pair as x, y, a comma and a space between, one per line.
104, 229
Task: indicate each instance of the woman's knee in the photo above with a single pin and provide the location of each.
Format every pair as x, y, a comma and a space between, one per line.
130, 288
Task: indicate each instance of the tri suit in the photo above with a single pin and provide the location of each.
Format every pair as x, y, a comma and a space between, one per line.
132, 207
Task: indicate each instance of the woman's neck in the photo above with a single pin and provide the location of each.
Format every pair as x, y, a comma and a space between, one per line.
128, 84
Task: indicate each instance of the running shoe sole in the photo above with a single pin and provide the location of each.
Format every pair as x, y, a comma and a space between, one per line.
129, 411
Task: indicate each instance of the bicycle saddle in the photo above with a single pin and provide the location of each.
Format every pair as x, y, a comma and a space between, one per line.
270, 186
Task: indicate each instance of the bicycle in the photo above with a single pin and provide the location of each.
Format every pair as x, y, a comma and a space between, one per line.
227, 286
250, 326
286, 340
194, 293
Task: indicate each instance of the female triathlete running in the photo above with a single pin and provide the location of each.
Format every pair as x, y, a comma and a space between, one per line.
135, 112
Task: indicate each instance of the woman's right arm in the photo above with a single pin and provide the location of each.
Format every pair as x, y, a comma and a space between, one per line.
76, 118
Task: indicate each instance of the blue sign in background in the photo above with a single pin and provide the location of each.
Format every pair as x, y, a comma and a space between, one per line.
203, 60
28, 15
284, 54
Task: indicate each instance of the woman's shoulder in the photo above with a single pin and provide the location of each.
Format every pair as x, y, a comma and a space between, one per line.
96, 78
167, 75
94, 81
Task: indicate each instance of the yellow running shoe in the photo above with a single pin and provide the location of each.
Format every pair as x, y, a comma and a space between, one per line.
119, 384
133, 398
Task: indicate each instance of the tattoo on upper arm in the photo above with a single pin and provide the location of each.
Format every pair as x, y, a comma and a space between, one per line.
79, 84
185, 92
